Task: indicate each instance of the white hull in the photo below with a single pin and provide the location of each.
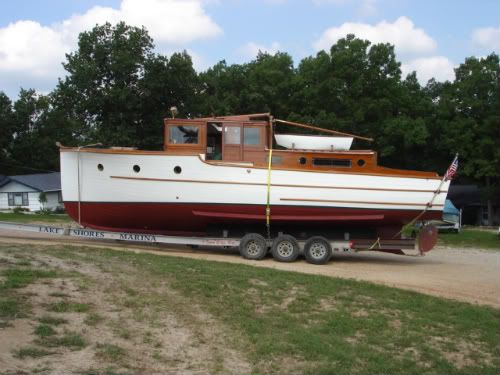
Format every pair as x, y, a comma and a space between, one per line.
201, 182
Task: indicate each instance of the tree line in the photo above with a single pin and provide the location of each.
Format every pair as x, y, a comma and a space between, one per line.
117, 91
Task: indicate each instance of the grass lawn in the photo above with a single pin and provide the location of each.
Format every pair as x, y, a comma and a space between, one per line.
277, 322
34, 218
469, 237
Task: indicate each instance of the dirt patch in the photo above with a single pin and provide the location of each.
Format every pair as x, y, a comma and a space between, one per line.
292, 295
361, 313
258, 282
460, 352
395, 324
118, 318
328, 304
357, 338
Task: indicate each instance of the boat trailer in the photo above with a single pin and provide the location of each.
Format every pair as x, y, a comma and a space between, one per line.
317, 250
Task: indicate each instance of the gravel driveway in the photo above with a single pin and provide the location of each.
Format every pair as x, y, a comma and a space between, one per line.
471, 275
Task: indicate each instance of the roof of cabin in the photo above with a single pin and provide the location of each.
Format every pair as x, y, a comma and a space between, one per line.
249, 117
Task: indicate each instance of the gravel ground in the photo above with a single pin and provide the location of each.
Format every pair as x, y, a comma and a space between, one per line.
470, 275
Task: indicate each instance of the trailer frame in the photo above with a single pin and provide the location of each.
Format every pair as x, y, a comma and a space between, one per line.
337, 246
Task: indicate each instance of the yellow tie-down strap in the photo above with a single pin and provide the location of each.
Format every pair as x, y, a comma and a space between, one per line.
268, 200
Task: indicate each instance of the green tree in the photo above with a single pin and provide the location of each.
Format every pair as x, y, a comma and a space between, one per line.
262, 85
37, 127
357, 88
6, 133
102, 90
167, 82
469, 118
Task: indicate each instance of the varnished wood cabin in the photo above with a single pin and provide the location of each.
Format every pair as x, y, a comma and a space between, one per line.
246, 140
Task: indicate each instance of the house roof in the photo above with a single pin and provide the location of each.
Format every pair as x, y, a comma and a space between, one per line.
38, 181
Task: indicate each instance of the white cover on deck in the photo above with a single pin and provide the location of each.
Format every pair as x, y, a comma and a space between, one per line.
313, 142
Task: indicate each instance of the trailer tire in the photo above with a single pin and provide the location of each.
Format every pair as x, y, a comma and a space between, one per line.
317, 250
285, 248
253, 246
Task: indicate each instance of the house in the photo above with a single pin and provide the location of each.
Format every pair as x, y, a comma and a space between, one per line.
472, 202
33, 192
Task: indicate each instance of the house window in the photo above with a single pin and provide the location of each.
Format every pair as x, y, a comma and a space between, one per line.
324, 162
187, 134
59, 196
18, 199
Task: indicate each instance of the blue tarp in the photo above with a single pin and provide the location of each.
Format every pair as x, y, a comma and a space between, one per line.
450, 209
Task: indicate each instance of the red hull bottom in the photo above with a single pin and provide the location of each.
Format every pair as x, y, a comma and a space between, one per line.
197, 218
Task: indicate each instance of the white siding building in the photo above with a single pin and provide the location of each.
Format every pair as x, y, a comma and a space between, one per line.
25, 191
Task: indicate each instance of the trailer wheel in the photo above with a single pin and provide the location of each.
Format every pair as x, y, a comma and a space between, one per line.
285, 248
317, 250
253, 246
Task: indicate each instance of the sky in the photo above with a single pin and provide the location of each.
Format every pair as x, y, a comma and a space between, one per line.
431, 37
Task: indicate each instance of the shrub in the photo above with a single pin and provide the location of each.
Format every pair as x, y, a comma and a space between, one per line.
59, 210
45, 211
19, 210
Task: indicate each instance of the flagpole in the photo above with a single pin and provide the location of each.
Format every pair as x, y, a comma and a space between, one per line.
429, 204
436, 193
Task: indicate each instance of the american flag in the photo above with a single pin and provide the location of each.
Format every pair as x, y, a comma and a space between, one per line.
452, 169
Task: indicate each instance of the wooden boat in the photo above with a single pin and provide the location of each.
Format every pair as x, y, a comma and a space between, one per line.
222, 174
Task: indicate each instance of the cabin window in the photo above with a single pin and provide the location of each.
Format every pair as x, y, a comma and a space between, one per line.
276, 160
232, 135
251, 136
18, 199
183, 134
327, 162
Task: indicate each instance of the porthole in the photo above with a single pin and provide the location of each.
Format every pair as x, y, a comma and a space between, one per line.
302, 160
136, 168
100, 167
361, 162
177, 170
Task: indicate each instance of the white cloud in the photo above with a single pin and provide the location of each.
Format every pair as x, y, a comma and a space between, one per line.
488, 38
368, 8
402, 33
251, 49
29, 49
438, 67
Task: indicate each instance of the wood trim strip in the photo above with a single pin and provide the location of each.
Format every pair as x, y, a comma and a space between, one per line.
362, 202
288, 217
114, 151
275, 185
311, 127
190, 181
435, 177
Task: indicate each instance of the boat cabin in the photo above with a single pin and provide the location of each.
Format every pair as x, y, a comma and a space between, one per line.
247, 140
231, 139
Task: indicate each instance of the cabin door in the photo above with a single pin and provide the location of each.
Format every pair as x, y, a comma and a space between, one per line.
232, 149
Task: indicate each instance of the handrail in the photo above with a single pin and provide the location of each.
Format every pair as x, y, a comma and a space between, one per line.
310, 127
